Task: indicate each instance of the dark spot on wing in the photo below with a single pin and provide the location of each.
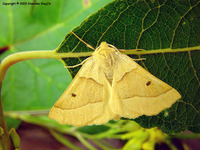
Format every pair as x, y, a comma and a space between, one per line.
148, 83
73, 95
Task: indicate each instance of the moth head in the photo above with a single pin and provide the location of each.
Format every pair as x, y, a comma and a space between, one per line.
105, 49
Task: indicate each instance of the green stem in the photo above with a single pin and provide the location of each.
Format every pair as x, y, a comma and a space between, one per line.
84, 141
63, 140
171, 146
5, 142
29, 112
105, 145
160, 51
21, 56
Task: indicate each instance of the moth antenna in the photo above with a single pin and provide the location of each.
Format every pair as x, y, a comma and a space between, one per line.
77, 64
88, 45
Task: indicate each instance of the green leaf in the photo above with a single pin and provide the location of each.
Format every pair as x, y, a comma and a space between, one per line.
169, 31
37, 84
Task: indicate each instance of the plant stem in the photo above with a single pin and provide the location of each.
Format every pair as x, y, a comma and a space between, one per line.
160, 51
84, 141
171, 146
63, 140
21, 56
5, 142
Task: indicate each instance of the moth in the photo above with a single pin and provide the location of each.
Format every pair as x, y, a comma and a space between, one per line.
111, 85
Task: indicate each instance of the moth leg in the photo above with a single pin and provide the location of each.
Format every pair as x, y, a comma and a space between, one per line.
88, 45
77, 64
139, 59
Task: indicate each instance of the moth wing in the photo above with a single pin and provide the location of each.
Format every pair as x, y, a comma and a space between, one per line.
85, 101
137, 92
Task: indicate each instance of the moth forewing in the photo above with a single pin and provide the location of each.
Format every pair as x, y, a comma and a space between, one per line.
85, 101
111, 85
138, 92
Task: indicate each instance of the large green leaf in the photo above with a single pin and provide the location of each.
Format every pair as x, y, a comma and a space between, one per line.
150, 25
37, 84
170, 30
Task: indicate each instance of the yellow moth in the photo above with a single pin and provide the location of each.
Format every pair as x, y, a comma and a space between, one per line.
111, 85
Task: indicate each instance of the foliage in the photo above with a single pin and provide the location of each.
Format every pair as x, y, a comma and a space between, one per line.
167, 30
37, 84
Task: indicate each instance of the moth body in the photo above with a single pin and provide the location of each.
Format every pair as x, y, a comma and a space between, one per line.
111, 85
105, 58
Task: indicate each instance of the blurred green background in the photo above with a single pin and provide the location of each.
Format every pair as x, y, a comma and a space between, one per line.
37, 84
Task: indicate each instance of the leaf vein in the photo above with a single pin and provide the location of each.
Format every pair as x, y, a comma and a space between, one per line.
194, 71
